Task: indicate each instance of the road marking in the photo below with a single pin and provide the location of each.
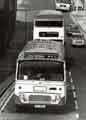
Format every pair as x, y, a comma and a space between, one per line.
70, 74
71, 80
76, 105
74, 94
75, 97
77, 115
8, 99
73, 88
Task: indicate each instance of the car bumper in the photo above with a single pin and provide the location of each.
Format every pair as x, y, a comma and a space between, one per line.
80, 43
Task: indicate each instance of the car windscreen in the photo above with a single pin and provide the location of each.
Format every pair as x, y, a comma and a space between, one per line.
39, 70
78, 36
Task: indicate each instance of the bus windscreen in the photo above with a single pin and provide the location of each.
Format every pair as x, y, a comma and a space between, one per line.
41, 71
49, 23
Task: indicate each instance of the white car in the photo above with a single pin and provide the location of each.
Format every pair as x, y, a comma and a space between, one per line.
78, 40
63, 5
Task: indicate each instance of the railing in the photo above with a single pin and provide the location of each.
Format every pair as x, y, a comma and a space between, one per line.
6, 84
6, 91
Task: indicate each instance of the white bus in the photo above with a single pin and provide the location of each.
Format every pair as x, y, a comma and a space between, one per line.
41, 75
49, 24
63, 4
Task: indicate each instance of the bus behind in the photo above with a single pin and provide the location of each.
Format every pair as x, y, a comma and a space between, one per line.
49, 24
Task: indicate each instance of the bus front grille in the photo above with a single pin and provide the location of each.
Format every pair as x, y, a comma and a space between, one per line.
39, 99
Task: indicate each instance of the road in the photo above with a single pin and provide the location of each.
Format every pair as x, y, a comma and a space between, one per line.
78, 72
79, 75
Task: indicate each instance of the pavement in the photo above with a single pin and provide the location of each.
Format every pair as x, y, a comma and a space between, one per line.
79, 18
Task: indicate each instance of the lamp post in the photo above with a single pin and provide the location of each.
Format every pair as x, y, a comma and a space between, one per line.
77, 6
84, 4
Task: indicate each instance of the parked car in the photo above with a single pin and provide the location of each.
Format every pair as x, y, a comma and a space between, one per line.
72, 29
63, 5
78, 40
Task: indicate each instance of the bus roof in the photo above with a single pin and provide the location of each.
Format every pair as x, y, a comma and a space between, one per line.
43, 47
49, 14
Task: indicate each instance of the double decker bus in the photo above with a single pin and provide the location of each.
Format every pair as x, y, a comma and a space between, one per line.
41, 75
63, 5
49, 24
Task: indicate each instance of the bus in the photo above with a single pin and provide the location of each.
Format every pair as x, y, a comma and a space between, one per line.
49, 24
41, 75
7, 23
63, 5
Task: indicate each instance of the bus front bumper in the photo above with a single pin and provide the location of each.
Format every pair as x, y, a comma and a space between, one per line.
40, 103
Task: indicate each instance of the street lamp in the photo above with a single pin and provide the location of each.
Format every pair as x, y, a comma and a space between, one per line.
77, 6
84, 4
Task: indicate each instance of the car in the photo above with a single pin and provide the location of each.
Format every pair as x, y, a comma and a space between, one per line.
63, 5
78, 40
72, 29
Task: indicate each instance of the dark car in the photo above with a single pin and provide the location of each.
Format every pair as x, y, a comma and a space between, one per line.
78, 40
